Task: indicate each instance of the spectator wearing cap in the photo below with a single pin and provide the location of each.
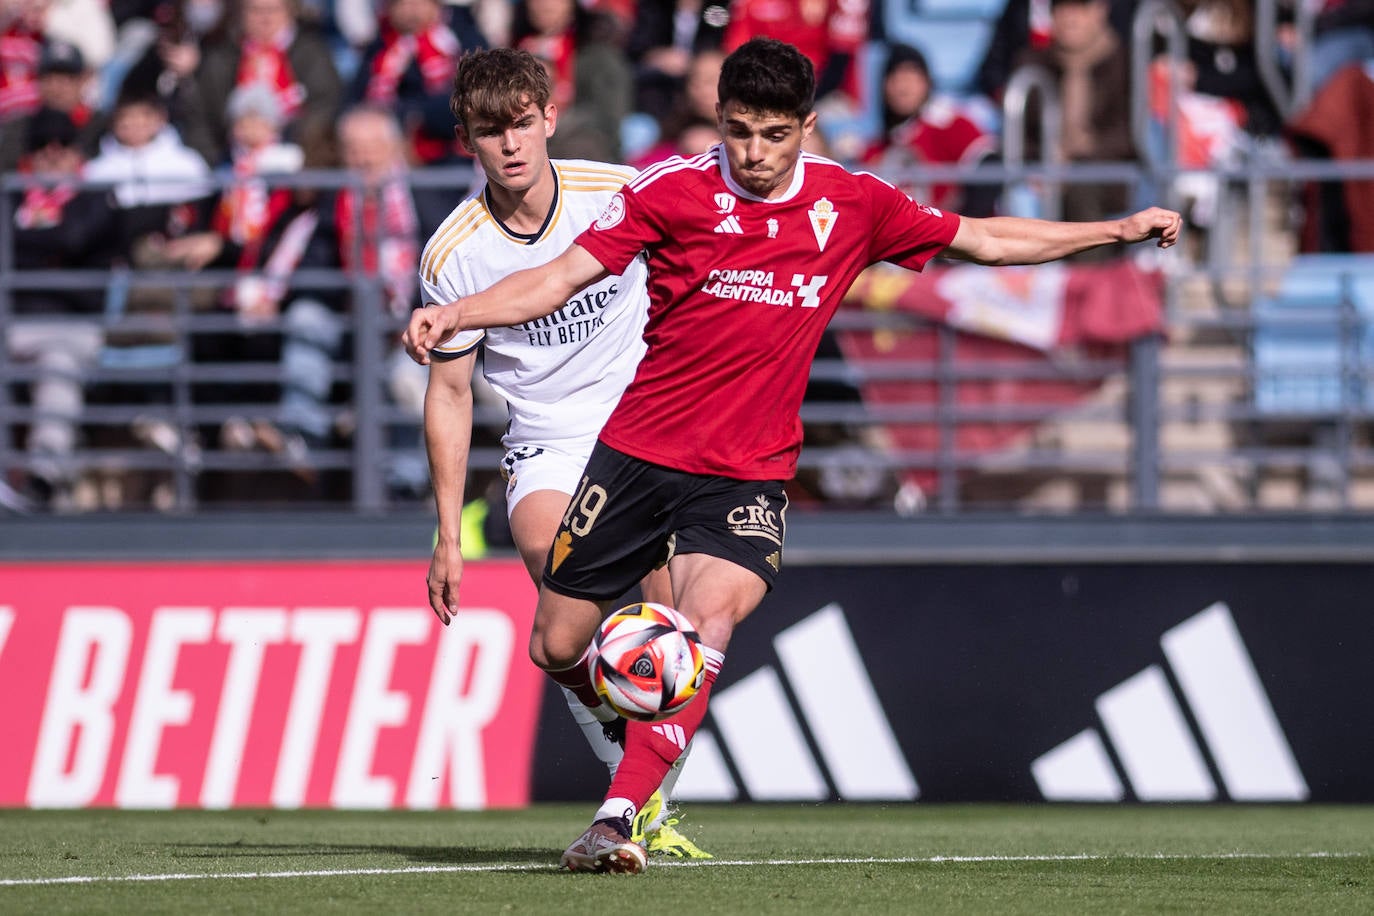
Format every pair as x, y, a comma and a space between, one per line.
63, 84
86, 24
56, 333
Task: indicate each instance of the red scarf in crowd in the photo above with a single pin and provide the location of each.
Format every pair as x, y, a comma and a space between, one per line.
19, 53
266, 62
248, 209
559, 52
435, 50
379, 233
42, 207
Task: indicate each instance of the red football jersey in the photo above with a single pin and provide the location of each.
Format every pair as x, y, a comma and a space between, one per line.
740, 290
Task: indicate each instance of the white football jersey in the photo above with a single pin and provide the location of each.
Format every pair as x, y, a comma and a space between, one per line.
563, 374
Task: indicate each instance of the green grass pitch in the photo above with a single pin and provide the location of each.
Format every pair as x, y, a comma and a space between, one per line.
822, 859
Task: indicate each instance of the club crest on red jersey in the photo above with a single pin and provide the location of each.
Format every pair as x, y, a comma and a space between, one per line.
823, 215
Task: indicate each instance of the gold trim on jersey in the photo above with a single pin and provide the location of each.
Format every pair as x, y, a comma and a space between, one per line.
461, 224
543, 231
445, 354
569, 186
574, 172
470, 215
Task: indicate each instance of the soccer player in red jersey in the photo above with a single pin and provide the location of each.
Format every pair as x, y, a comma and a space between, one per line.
750, 247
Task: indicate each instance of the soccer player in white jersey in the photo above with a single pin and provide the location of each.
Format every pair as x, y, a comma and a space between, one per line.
560, 374
751, 247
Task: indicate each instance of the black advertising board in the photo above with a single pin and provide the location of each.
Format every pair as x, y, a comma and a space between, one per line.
1154, 682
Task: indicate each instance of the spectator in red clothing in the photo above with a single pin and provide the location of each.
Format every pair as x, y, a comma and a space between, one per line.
63, 81
920, 127
21, 48
829, 32
409, 69
248, 206
593, 82
271, 45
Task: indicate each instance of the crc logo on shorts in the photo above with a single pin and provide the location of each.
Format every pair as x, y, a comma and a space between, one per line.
613, 214
757, 519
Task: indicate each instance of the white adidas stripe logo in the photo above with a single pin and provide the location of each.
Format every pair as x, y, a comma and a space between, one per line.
1151, 737
730, 226
673, 733
768, 744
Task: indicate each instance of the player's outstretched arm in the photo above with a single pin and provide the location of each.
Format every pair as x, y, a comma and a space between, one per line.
519, 297
1002, 240
448, 437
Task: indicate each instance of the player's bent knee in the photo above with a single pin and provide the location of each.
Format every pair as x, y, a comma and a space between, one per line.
553, 654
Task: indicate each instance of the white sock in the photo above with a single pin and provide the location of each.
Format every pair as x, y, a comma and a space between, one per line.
608, 752
616, 807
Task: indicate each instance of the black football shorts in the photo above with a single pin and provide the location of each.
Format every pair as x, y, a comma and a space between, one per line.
629, 516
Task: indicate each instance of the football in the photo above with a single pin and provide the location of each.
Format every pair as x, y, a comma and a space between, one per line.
646, 661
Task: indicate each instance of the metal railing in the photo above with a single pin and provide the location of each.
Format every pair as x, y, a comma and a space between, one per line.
1179, 423
1133, 430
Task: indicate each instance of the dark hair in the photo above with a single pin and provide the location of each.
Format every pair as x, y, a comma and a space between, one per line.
900, 55
49, 126
497, 84
140, 95
767, 75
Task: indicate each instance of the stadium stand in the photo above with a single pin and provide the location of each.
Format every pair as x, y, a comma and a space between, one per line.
1263, 338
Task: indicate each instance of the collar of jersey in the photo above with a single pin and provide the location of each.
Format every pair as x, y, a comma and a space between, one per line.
793, 190
550, 218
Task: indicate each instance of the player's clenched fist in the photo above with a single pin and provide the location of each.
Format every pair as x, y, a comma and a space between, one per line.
1153, 223
429, 327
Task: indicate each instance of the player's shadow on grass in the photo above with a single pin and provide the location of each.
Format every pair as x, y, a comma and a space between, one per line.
427, 855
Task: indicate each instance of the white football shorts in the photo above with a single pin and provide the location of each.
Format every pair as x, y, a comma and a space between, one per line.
527, 468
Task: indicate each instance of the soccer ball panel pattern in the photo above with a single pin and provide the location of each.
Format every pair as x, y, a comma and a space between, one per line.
646, 661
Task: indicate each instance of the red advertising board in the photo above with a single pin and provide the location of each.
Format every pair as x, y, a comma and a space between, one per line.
303, 684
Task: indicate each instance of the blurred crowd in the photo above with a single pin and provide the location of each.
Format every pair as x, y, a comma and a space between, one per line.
191, 111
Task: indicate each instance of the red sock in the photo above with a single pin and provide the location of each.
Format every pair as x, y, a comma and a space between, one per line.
578, 681
652, 747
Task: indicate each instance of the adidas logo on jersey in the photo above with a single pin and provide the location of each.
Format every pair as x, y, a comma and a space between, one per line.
730, 226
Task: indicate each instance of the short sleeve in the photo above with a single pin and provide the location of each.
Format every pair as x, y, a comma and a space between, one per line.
440, 291
906, 233
625, 228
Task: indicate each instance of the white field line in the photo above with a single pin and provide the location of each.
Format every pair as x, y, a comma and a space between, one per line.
711, 863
